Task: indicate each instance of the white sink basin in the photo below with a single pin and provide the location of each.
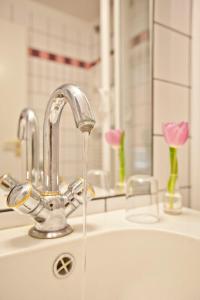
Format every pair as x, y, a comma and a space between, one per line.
124, 261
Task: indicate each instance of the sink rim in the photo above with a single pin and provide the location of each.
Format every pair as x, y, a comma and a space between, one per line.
187, 224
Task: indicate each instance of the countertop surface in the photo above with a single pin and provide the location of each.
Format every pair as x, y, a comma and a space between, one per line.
17, 240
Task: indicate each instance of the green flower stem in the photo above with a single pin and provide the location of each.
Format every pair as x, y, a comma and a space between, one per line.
122, 159
173, 175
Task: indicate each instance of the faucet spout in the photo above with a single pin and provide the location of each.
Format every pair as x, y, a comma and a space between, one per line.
28, 131
83, 118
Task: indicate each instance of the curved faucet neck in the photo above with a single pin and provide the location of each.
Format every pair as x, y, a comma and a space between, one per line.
29, 132
83, 118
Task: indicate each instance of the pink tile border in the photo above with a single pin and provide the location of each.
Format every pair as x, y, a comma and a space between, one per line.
138, 39
61, 59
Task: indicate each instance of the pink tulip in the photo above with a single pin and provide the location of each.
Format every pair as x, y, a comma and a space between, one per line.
113, 137
176, 134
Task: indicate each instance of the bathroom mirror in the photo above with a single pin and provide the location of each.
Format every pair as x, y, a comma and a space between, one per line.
47, 43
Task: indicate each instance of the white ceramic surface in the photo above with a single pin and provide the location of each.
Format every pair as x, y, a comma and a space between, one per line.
171, 56
171, 102
124, 261
174, 13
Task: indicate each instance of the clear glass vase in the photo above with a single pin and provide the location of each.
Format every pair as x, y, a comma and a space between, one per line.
173, 201
172, 197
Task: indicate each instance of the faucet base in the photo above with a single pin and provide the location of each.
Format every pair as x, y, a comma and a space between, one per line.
35, 233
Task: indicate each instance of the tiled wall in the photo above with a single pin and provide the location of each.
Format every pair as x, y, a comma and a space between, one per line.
171, 84
53, 32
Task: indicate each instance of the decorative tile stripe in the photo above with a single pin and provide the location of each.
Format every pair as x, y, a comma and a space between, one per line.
138, 39
62, 59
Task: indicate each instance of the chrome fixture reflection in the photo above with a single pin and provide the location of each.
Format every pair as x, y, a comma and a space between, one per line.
50, 208
28, 131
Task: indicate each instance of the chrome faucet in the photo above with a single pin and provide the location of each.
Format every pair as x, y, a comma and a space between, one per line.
51, 208
28, 130
83, 118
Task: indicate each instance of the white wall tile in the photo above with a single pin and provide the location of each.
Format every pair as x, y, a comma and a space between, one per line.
5, 9
42, 65
56, 27
51, 71
37, 40
97, 206
34, 84
33, 66
174, 13
171, 56
162, 163
54, 46
171, 104
40, 21
186, 197
21, 13
115, 203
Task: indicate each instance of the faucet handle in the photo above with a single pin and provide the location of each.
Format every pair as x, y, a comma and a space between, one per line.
28, 200
7, 182
77, 188
73, 197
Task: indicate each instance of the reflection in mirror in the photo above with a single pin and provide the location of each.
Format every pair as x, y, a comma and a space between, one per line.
136, 102
45, 44
128, 125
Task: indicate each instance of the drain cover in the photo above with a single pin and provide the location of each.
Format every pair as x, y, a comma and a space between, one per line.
63, 265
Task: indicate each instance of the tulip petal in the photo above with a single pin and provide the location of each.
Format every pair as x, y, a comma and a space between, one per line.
113, 137
175, 134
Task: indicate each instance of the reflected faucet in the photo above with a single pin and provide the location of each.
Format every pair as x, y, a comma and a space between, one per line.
51, 208
28, 131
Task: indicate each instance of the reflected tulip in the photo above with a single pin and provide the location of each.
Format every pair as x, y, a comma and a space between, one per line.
116, 139
113, 137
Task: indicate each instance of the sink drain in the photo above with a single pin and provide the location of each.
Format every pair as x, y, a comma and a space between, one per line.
63, 265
